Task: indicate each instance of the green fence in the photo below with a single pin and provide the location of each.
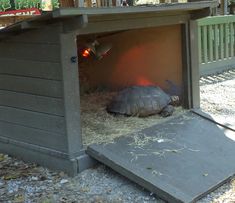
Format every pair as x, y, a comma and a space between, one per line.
216, 43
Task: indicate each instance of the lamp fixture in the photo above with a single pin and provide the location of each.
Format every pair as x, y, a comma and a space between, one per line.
96, 50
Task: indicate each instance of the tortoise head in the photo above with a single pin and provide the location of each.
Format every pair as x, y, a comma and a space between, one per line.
175, 100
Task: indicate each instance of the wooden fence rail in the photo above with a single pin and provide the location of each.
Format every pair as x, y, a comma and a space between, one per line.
216, 43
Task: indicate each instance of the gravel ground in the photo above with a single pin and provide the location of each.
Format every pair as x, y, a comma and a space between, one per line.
218, 99
218, 96
21, 182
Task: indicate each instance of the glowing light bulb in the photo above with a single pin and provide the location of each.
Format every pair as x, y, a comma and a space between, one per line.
86, 53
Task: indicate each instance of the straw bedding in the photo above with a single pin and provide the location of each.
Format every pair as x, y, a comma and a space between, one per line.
98, 126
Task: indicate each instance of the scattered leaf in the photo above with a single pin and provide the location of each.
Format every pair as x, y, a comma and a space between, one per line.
61, 174
47, 201
2, 157
11, 176
19, 199
85, 189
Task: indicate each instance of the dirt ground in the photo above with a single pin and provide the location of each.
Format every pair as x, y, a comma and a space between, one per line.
28, 183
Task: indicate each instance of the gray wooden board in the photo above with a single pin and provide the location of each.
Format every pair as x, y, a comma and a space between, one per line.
194, 56
29, 85
49, 105
34, 136
226, 122
30, 51
132, 23
71, 93
181, 159
37, 69
45, 35
33, 119
65, 13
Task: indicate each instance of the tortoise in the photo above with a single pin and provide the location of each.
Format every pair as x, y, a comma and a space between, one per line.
142, 101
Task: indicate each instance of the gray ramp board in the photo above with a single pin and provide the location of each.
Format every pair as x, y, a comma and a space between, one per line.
180, 160
225, 121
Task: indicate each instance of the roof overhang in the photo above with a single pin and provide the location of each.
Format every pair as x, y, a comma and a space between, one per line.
95, 20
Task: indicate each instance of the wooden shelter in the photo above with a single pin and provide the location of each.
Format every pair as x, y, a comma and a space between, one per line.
39, 84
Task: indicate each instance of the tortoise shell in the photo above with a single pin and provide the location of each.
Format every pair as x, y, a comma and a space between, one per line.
139, 101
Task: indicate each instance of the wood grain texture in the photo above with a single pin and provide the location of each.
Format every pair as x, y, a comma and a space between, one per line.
71, 93
194, 72
27, 51
33, 136
32, 119
48, 105
29, 85
29, 68
37, 36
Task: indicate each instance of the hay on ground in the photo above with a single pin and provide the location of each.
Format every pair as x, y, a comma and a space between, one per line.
98, 126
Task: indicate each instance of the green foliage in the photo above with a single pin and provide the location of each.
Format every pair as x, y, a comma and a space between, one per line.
4, 5
55, 3
231, 2
24, 4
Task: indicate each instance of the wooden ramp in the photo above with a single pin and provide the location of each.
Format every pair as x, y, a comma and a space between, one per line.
227, 122
180, 160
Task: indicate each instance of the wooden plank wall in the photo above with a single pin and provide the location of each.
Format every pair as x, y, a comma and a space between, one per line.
31, 89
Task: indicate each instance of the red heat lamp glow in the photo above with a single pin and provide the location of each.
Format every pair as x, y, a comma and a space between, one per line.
86, 53
144, 82
96, 50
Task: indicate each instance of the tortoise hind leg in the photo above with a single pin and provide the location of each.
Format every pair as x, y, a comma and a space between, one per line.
167, 111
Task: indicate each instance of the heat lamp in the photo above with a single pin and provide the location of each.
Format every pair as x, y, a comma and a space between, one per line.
96, 50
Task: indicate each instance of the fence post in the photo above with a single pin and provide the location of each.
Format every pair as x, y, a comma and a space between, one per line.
195, 73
